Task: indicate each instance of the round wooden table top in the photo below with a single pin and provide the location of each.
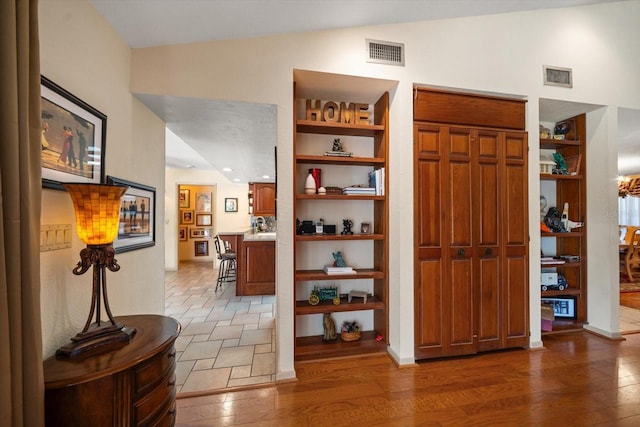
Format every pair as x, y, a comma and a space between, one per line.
154, 333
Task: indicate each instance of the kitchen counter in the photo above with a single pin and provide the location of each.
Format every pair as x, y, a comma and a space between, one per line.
266, 235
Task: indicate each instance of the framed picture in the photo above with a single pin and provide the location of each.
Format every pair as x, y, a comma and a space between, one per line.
231, 204
186, 217
137, 216
200, 233
203, 219
182, 233
183, 198
203, 202
73, 135
201, 248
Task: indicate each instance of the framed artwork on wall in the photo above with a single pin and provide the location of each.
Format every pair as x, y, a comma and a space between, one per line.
183, 198
203, 219
182, 233
73, 136
186, 217
200, 233
231, 204
137, 216
201, 248
203, 202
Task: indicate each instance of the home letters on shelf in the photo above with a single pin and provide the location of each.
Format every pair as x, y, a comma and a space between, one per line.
352, 112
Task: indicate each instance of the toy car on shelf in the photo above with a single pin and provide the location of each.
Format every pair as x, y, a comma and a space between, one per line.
561, 285
321, 294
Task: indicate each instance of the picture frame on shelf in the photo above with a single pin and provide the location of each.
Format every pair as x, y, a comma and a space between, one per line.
182, 234
200, 233
137, 216
183, 198
231, 204
573, 164
203, 219
201, 248
203, 202
73, 138
186, 217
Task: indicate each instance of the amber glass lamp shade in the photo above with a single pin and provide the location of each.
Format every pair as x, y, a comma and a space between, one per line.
97, 209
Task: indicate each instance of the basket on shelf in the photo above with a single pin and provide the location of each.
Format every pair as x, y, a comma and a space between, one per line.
350, 331
350, 336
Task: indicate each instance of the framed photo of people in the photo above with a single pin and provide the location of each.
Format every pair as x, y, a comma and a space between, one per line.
137, 216
72, 138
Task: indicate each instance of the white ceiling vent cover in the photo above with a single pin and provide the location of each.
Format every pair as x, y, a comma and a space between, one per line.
387, 53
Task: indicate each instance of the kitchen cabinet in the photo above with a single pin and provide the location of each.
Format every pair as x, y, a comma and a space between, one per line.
559, 189
367, 252
471, 226
262, 198
130, 386
256, 267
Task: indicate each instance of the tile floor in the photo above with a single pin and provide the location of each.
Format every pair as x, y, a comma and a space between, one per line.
226, 341
629, 320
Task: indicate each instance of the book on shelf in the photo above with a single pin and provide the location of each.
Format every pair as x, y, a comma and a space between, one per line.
338, 153
376, 181
329, 269
355, 190
569, 258
551, 260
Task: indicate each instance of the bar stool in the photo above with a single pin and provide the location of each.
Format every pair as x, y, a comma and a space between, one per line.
227, 268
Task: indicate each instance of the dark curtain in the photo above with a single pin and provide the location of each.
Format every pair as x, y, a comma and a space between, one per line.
21, 378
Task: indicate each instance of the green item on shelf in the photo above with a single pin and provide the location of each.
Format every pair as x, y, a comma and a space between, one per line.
562, 165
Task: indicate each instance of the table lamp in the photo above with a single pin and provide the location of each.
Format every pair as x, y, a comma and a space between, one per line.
97, 209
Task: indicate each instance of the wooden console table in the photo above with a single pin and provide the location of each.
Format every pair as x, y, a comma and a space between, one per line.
131, 386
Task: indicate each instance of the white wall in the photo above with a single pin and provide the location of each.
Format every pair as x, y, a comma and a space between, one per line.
80, 52
502, 54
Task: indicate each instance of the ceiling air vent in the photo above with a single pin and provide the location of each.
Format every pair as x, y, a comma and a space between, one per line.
388, 53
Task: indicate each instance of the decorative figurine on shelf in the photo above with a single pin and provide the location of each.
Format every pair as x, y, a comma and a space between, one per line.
561, 164
338, 260
553, 221
347, 224
337, 150
329, 327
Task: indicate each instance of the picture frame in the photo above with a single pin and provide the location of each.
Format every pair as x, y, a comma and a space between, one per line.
183, 198
200, 233
203, 202
231, 204
73, 138
203, 219
201, 248
137, 228
186, 217
182, 233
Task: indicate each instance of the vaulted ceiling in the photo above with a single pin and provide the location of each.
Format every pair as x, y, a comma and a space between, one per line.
205, 129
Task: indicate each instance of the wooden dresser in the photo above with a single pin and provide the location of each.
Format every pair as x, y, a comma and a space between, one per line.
130, 386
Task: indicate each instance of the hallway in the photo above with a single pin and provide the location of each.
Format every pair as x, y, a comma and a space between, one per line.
226, 341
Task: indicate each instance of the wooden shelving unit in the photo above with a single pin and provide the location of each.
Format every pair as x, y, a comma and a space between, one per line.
570, 189
375, 275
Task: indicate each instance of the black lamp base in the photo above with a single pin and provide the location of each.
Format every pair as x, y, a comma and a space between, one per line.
97, 340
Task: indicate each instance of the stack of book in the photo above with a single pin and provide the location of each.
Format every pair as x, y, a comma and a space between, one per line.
330, 269
551, 260
359, 191
376, 181
338, 153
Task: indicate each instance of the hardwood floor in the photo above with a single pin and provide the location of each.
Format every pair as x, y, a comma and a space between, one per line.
630, 299
578, 379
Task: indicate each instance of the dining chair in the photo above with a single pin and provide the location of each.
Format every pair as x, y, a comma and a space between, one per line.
631, 258
629, 233
227, 267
